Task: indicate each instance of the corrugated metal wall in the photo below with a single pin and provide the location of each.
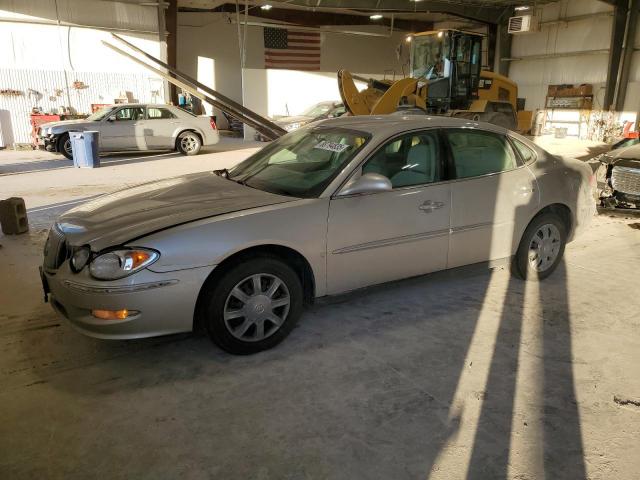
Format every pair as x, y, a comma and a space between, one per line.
38, 57
39, 90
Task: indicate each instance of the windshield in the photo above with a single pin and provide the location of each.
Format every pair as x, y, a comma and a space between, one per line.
302, 163
100, 114
318, 109
428, 56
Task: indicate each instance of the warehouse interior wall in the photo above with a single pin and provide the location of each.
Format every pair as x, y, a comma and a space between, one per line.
632, 99
592, 33
281, 92
43, 61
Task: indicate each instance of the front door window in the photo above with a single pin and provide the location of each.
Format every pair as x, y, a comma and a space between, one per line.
409, 160
129, 114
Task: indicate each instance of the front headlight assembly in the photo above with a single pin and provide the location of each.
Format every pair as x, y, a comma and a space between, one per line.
80, 258
120, 263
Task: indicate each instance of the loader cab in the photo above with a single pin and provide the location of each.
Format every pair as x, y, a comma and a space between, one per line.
448, 62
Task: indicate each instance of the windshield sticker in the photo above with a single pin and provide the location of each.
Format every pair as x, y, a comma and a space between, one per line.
332, 146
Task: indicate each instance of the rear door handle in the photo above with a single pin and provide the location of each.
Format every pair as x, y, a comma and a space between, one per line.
429, 206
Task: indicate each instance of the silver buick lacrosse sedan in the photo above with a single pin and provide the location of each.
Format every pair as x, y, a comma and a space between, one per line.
332, 207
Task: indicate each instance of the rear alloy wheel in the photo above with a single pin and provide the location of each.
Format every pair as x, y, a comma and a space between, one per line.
64, 146
254, 305
189, 143
541, 247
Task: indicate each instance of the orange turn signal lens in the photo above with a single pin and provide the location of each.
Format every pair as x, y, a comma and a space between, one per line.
135, 259
112, 314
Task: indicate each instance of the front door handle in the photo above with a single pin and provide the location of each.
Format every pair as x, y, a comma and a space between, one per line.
429, 206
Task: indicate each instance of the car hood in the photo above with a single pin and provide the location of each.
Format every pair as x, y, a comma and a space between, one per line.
125, 215
63, 123
623, 157
294, 119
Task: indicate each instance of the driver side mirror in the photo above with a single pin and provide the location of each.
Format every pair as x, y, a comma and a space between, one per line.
112, 118
367, 183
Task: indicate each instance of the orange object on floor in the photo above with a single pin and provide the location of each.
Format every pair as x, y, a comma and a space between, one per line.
626, 131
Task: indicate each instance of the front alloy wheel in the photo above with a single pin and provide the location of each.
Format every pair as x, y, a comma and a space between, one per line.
256, 307
252, 305
64, 146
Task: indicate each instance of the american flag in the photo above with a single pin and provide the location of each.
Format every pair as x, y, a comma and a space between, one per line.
291, 49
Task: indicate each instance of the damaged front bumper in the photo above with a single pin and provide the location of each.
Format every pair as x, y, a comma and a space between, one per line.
616, 199
48, 142
622, 187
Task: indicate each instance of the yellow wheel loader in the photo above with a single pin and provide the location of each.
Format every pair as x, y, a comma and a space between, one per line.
445, 79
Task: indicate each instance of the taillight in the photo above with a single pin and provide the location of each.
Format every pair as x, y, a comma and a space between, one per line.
212, 122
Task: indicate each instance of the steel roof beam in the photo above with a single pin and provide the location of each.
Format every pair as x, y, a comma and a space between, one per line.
316, 19
488, 14
615, 55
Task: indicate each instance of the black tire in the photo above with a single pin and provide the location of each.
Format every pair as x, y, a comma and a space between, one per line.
217, 292
189, 143
522, 266
61, 146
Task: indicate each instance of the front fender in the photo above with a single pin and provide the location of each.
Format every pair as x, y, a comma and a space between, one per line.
299, 225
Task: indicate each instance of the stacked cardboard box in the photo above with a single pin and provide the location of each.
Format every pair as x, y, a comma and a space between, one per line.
570, 90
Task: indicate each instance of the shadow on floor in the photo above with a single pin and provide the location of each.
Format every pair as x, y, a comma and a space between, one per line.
62, 163
361, 389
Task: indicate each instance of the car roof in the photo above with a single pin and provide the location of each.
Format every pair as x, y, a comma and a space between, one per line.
395, 123
142, 105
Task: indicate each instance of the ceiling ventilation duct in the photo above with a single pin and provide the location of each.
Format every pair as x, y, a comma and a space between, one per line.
523, 24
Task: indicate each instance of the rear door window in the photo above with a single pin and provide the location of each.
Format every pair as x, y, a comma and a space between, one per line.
476, 153
526, 153
159, 113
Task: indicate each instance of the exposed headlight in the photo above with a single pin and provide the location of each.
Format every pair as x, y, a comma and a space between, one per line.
80, 258
291, 126
120, 263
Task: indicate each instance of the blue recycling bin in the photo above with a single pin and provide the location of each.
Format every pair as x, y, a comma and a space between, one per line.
84, 146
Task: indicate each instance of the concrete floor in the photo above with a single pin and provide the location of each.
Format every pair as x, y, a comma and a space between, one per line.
463, 374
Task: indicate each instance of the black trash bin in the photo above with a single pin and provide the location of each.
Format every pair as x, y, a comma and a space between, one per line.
85, 149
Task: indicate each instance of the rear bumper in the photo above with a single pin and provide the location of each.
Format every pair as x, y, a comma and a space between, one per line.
164, 302
211, 137
584, 213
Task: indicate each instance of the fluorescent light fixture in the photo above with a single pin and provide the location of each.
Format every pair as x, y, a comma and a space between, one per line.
266, 7
377, 16
408, 39
440, 34
523, 7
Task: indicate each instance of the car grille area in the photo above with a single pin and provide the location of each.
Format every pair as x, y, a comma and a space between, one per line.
626, 180
56, 250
